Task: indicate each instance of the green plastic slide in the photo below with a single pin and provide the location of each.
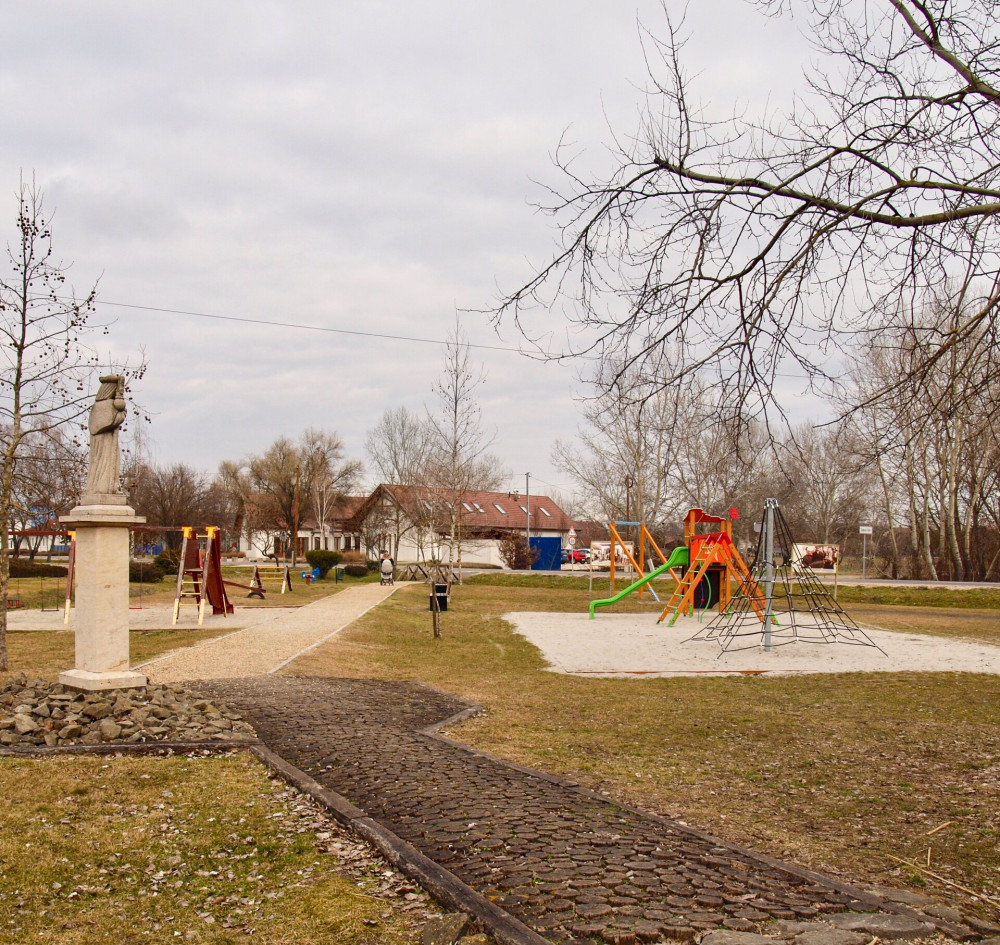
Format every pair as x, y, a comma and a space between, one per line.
678, 557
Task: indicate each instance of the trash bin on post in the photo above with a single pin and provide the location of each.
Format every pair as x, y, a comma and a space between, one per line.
441, 591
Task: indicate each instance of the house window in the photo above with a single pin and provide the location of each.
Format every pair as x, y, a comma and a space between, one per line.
501, 510
479, 508
523, 509
466, 506
544, 511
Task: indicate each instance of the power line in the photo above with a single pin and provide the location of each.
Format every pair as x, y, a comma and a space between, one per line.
274, 323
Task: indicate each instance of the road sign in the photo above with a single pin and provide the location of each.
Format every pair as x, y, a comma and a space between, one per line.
865, 530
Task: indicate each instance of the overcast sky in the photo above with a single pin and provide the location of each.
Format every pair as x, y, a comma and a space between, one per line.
368, 167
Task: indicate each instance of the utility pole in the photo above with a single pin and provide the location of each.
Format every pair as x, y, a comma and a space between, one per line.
527, 507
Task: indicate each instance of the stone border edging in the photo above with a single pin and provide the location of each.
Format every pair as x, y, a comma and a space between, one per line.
438, 881
215, 746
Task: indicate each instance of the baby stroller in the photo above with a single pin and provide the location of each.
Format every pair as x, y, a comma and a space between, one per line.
386, 569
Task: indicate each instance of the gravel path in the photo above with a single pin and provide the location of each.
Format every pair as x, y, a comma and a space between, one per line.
270, 641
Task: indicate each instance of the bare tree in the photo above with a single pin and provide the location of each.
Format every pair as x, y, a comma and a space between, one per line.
288, 475
48, 482
44, 368
832, 490
761, 242
934, 443
252, 513
625, 458
399, 447
458, 461
171, 497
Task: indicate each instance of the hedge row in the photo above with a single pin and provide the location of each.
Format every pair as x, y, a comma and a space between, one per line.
23, 568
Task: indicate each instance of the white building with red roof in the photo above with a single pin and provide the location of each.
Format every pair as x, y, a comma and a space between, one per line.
415, 523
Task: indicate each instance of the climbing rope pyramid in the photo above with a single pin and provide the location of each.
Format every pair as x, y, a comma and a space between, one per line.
779, 602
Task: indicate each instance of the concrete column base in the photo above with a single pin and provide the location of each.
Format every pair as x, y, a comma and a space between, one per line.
94, 682
102, 559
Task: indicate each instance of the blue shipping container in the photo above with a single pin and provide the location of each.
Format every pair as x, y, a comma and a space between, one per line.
549, 554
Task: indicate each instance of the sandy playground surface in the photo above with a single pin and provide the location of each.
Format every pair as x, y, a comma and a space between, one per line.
635, 645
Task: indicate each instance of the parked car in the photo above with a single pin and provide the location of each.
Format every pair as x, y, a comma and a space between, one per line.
575, 556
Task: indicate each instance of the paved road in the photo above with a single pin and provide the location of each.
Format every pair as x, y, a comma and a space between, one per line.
566, 863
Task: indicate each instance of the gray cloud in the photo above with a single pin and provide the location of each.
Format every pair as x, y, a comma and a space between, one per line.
365, 166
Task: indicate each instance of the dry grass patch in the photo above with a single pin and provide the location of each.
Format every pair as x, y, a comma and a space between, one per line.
204, 850
839, 772
44, 655
35, 593
956, 622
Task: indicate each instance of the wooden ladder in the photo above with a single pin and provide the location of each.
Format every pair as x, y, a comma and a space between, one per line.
189, 574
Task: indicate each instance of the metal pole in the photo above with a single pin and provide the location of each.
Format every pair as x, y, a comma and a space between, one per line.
527, 508
769, 506
864, 552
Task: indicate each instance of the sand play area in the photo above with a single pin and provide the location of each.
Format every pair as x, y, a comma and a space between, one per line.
636, 645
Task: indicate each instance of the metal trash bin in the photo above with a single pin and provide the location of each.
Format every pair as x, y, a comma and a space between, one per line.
441, 590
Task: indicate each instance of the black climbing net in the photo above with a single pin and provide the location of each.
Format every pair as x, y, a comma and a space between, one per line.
801, 610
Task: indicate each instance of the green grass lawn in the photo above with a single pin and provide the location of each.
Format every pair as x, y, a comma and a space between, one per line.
839, 772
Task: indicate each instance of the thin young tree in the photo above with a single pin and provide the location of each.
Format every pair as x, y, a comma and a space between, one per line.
398, 447
45, 368
459, 461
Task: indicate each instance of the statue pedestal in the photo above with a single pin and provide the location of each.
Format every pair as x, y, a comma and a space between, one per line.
102, 559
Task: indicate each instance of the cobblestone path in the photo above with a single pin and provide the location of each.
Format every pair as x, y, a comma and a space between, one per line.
569, 865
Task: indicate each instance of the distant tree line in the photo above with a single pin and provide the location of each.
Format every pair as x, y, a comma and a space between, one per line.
922, 467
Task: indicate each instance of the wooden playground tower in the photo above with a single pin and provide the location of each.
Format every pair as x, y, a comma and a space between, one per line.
200, 575
712, 563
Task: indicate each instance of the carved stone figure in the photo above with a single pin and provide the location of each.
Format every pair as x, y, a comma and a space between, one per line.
106, 416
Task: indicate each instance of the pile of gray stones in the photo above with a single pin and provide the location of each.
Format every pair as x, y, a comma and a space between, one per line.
34, 712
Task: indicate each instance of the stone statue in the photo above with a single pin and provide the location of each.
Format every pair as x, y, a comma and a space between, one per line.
106, 416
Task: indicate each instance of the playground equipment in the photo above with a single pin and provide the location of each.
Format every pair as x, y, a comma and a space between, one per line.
809, 614
638, 561
713, 563
200, 575
277, 579
679, 559
636, 586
